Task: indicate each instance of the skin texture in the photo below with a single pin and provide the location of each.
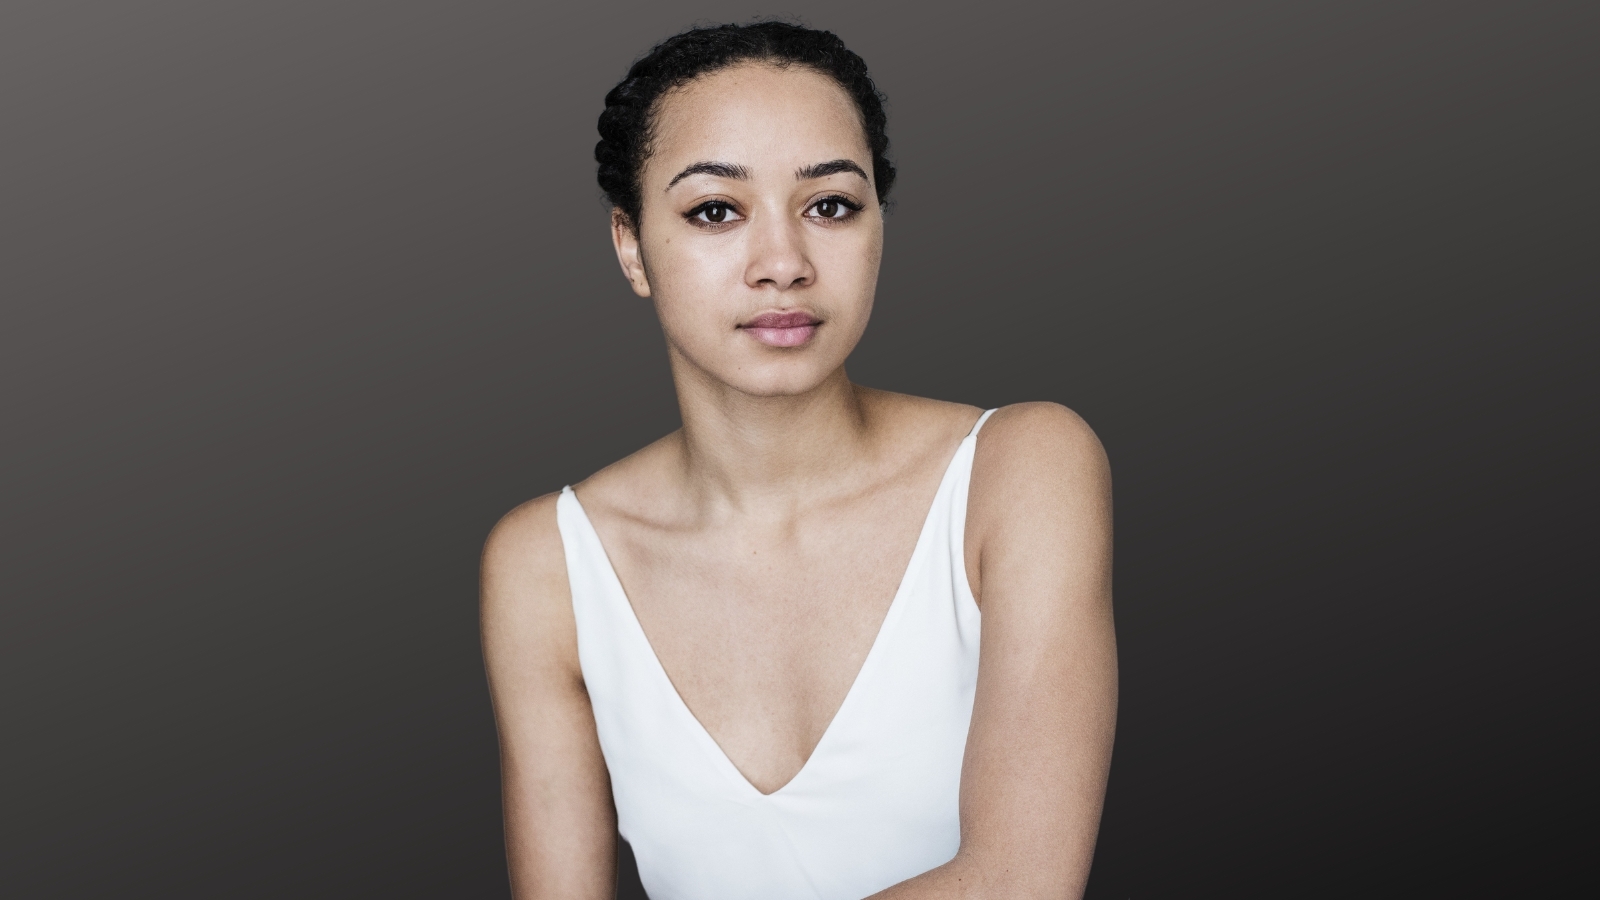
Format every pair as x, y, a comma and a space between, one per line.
761, 544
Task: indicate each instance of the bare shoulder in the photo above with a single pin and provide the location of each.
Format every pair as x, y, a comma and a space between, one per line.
525, 545
1025, 442
525, 601
1040, 491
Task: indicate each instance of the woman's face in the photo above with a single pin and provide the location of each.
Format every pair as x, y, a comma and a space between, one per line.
760, 234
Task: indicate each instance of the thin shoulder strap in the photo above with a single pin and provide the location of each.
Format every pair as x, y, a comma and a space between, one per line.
979, 424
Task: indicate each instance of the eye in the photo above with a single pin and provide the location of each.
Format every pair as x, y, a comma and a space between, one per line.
712, 212
834, 208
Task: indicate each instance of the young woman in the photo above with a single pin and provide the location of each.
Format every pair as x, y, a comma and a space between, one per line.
754, 646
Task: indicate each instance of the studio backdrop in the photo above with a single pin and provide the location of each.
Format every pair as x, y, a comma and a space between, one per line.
297, 298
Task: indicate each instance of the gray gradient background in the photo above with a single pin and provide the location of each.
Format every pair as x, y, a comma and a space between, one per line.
299, 297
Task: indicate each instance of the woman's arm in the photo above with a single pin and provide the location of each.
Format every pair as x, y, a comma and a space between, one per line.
560, 824
1039, 559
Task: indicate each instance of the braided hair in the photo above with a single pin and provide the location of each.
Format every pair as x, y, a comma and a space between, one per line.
627, 123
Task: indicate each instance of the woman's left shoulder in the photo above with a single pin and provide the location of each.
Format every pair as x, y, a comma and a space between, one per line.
1038, 526
1025, 442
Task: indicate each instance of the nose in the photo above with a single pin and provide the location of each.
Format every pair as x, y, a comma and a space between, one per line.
778, 255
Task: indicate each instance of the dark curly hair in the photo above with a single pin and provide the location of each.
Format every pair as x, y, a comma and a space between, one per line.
626, 125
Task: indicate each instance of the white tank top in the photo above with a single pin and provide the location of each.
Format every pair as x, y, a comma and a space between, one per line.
875, 804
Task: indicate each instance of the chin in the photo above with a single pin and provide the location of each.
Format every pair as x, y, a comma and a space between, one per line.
780, 378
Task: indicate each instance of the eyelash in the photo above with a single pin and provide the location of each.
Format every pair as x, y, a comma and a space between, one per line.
692, 216
852, 207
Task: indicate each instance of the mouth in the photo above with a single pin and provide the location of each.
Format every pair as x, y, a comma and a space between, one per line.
782, 329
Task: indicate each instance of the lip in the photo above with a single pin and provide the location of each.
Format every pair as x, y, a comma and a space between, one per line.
782, 329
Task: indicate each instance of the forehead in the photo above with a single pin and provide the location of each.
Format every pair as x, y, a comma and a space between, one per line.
759, 116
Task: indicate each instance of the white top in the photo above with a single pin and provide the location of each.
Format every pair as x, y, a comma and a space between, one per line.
875, 804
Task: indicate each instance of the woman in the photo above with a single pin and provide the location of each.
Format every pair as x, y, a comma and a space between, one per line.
754, 645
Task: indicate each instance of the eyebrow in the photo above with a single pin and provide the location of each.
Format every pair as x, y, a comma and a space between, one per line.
719, 169
831, 167
738, 172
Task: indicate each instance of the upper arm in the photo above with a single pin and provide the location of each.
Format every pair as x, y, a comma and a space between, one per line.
1039, 749
559, 820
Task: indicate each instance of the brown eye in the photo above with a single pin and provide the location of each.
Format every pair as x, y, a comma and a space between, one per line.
835, 209
713, 213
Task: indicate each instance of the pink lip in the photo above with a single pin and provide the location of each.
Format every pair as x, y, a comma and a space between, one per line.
782, 329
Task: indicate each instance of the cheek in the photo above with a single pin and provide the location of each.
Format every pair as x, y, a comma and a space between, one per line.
692, 285
857, 270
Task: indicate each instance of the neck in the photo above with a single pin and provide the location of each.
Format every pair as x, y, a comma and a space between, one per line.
757, 454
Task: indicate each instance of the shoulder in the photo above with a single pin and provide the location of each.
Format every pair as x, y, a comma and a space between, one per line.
1041, 484
526, 542
525, 602
1040, 432
1028, 441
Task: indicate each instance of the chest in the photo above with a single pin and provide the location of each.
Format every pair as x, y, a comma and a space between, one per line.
762, 628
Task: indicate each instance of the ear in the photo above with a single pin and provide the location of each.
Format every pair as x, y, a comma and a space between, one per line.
626, 240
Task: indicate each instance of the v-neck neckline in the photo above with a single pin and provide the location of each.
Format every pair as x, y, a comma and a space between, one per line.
698, 728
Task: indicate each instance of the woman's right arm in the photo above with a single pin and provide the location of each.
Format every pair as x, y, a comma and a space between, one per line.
559, 820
